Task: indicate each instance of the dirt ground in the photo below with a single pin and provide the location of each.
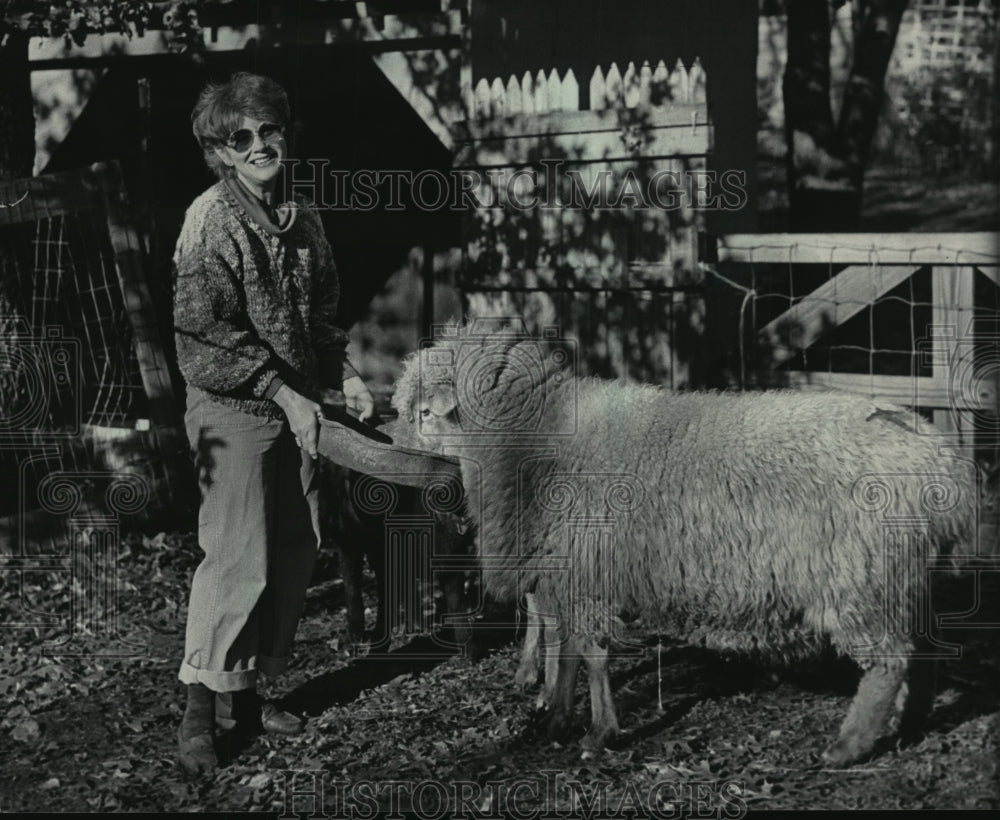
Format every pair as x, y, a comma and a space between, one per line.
84, 734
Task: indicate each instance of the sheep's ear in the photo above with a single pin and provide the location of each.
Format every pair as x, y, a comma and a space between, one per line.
441, 400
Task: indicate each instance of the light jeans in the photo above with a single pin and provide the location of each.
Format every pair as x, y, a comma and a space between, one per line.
258, 526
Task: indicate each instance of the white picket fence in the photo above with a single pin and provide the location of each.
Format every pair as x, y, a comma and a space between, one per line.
543, 93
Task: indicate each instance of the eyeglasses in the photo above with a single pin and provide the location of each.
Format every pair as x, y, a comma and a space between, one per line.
242, 139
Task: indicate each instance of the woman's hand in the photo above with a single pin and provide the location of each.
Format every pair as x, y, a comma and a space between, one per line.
359, 397
303, 417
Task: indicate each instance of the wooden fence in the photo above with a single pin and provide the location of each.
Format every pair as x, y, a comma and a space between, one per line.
542, 93
618, 275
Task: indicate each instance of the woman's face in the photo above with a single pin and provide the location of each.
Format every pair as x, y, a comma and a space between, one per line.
259, 163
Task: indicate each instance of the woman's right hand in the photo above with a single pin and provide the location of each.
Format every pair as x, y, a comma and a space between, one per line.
303, 417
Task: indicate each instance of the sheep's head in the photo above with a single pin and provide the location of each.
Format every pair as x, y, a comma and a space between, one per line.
425, 399
471, 382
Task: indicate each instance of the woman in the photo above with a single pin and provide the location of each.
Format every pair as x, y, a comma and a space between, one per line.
255, 301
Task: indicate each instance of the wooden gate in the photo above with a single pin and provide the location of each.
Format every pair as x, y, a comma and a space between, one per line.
959, 343
909, 319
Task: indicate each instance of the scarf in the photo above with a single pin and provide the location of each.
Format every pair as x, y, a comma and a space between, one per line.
275, 221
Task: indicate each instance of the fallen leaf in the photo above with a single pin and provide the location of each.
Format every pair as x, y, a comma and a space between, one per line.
259, 781
27, 731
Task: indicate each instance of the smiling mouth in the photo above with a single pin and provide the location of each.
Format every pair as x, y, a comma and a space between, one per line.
267, 160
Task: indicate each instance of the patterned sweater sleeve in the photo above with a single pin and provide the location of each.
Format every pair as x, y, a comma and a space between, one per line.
217, 350
329, 341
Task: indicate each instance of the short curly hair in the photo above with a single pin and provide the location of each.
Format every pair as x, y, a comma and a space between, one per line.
221, 107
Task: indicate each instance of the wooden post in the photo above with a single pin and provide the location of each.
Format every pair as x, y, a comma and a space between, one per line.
660, 83
696, 82
514, 104
427, 276
630, 86
954, 303
645, 83
541, 93
528, 93
553, 91
145, 162
570, 92
135, 294
498, 102
597, 90
613, 87
679, 83
481, 99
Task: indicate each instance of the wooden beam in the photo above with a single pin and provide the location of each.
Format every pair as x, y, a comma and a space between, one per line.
427, 279
908, 391
990, 272
658, 276
386, 31
48, 196
422, 97
862, 248
585, 146
693, 116
832, 303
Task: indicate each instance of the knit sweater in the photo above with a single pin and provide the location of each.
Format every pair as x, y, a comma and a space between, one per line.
250, 306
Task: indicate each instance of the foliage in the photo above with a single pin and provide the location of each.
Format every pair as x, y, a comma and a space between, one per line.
99, 734
74, 20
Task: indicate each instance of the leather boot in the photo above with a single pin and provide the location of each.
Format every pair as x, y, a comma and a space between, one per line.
246, 709
276, 722
195, 740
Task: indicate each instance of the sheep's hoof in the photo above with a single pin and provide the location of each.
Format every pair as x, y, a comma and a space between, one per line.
844, 752
597, 740
524, 678
552, 723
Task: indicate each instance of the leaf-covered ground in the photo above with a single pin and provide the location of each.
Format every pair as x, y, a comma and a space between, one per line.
91, 733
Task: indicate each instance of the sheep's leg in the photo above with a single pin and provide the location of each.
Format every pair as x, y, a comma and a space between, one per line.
351, 560
916, 697
560, 706
604, 721
541, 637
527, 671
552, 654
870, 712
454, 583
377, 561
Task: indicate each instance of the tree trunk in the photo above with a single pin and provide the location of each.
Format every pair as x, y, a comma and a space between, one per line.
826, 163
865, 93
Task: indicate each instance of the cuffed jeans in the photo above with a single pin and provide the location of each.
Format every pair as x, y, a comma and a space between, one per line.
258, 526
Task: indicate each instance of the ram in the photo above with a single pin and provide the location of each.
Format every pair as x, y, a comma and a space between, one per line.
772, 523
355, 511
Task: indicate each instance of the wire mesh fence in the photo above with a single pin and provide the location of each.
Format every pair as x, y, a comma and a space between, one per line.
84, 387
906, 319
